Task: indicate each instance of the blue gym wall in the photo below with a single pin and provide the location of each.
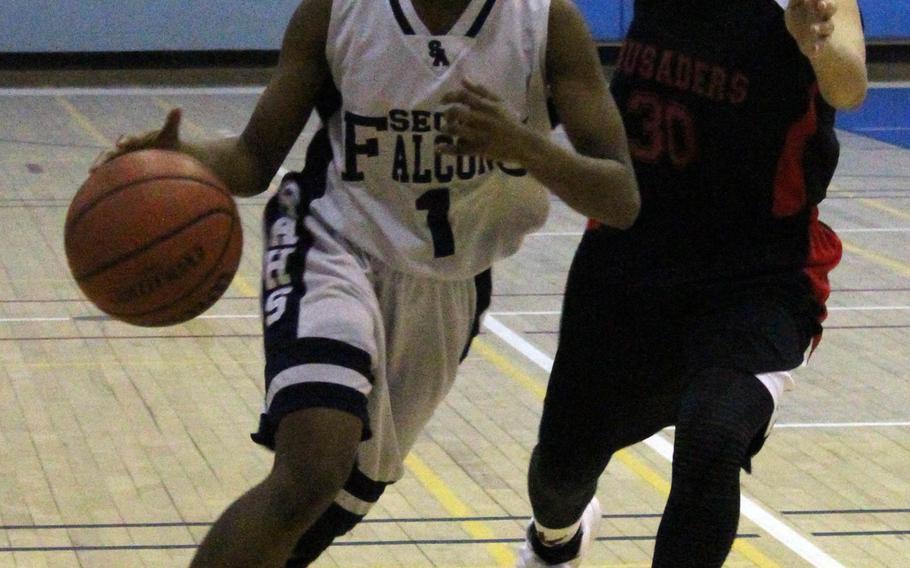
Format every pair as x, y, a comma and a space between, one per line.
142, 25
190, 25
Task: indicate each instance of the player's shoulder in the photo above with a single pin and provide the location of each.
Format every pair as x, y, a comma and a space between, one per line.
565, 22
311, 14
563, 12
307, 31
568, 36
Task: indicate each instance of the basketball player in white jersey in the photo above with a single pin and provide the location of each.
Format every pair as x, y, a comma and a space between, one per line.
433, 163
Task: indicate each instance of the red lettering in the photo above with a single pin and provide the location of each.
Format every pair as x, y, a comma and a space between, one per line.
739, 89
628, 66
681, 143
718, 84
700, 79
650, 144
646, 67
683, 72
659, 128
665, 69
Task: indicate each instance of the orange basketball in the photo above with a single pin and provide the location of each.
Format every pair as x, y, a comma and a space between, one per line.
153, 238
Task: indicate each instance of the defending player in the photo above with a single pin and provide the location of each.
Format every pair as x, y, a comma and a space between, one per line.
696, 315
376, 268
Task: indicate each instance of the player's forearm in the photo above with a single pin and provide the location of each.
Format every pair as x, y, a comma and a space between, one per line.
841, 72
233, 162
599, 188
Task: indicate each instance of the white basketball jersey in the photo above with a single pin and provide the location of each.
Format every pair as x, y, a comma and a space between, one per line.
387, 191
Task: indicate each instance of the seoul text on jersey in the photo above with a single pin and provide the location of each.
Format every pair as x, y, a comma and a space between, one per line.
414, 135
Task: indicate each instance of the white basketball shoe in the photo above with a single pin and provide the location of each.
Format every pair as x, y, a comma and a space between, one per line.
590, 523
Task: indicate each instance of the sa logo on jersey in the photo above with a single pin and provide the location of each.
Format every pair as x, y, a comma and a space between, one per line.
438, 53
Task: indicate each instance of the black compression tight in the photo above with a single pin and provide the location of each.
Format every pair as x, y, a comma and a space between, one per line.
720, 416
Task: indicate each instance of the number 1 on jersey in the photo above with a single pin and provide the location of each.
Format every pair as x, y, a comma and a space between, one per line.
436, 203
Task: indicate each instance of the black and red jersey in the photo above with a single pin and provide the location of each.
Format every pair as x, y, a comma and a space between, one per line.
732, 144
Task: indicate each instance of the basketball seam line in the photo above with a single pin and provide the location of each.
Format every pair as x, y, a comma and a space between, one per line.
153, 243
71, 223
205, 277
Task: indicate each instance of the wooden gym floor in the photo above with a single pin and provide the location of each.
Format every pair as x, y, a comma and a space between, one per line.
119, 445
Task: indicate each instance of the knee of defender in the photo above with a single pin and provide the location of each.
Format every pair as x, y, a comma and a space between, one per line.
707, 466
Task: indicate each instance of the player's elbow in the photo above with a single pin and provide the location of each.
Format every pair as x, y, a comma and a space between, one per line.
854, 98
848, 96
252, 169
623, 211
631, 204
850, 91
629, 213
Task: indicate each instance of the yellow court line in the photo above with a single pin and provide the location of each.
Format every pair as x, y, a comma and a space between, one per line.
83, 121
886, 208
635, 465
456, 507
898, 266
244, 287
503, 364
141, 363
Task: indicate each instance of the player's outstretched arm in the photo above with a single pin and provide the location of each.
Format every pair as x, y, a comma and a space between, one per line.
247, 163
830, 34
596, 178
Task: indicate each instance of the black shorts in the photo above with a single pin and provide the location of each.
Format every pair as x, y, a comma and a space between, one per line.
628, 352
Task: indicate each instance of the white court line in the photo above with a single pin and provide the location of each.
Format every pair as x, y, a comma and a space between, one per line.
890, 85
127, 91
832, 425
78, 318
750, 508
888, 230
495, 314
549, 313
836, 230
830, 309
537, 356
556, 234
23, 320
841, 424
867, 308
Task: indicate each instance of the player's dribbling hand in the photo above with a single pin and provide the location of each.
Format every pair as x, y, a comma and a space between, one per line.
165, 138
480, 124
809, 22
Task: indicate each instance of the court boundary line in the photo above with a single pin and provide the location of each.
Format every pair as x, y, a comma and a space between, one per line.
836, 230
128, 91
889, 85
775, 527
219, 90
833, 425
246, 288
